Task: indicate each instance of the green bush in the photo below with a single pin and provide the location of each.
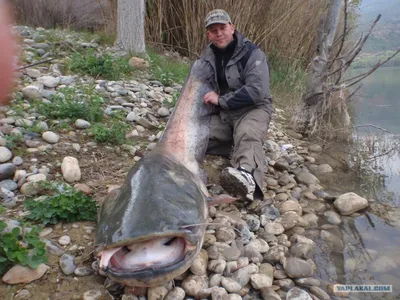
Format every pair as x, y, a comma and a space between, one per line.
167, 70
74, 104
65, 205
175, 97
99, 66
23, 248
12, 141
286, 75
113, 132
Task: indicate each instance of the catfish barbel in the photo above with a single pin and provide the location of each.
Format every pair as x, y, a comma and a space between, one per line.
152, 228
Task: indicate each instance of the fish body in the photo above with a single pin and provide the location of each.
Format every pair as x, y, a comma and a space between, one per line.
147, 232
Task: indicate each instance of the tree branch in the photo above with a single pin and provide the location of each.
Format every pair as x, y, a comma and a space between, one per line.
372, 70
34, 64
374, 126
348, 63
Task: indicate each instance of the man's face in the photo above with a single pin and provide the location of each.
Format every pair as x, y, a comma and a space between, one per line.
220, 34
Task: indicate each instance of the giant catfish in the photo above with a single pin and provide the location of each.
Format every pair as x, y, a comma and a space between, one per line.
151, 229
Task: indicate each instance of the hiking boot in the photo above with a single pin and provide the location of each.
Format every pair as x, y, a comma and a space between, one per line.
238, 182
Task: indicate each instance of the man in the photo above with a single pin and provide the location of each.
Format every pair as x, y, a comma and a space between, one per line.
242, 103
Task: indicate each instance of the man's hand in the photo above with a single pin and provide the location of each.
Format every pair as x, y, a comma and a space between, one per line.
211, 97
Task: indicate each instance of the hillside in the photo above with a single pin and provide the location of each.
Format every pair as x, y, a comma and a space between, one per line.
386, 35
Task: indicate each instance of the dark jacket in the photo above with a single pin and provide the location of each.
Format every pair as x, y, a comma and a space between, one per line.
249, 87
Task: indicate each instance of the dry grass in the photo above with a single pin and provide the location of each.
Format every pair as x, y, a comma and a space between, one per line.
328, 119
282, 26
284, 29
287, 27
74, 14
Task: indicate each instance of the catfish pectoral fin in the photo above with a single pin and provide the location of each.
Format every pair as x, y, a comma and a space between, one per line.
221, 199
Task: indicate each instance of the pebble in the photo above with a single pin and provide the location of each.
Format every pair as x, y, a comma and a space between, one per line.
8, 184
163, 112
23, 295
20, 274
261, 247
83, 271
297, 294
64, 240
274, 228
297, 268
176, 293
31, 92
50, 137
349, 203
67, 264
5, 154
70, 169
82, 124
199, 266
17, 160
131, 117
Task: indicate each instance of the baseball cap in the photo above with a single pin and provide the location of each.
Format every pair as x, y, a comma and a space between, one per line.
217, 16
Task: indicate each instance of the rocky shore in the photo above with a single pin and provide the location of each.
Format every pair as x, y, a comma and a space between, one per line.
258, 250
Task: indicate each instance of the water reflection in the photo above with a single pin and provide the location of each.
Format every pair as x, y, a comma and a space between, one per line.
366, 249
370, 254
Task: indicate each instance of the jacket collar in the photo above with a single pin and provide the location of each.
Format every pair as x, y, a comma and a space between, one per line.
239, 51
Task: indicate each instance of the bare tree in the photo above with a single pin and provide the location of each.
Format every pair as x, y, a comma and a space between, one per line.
131, 14
325, 102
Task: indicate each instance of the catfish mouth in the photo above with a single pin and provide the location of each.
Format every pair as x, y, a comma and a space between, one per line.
154, 256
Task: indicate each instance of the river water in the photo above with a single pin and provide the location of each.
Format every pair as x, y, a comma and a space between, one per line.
371, 242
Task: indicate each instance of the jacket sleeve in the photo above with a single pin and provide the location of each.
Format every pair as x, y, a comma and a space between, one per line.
256, 87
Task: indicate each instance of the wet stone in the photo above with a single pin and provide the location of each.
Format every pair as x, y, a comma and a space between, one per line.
332, 217
320, 293
297, 268
350, 203
306, 178
307, 282
312, 219
334, 242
